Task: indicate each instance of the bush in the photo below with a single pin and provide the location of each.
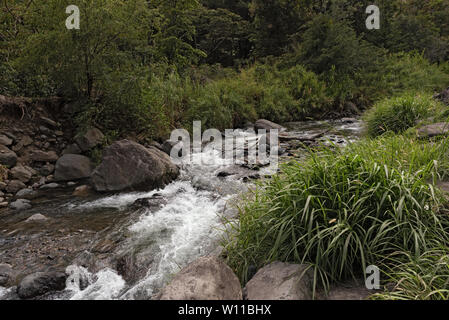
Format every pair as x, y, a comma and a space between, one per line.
399, 114
341, 211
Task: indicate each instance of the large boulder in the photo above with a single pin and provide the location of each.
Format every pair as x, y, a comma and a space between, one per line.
127, 165
433, 130
72, 167
91, 138
280, 281
263, 124
39, 283
7, 156
208, 278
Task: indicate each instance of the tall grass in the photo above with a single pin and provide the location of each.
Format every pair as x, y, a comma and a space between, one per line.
425, 277
343, 210
400, 113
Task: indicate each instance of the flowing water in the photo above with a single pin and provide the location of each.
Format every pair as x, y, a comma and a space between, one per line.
117, 250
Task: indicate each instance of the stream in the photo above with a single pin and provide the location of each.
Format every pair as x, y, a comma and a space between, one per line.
115, 248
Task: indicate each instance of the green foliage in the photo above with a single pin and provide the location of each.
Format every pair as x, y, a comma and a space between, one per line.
425, 277
342, 210
399, 114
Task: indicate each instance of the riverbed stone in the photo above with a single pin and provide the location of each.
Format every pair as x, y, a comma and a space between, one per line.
39, 283
207, 278
263, 124
129, 165
4, 140
42, 156
433, 130
72, 167
6, 274
91, 138
21, 173
280, 281
14, 186
82, 191
20, 204
26, 193
37, 218
7, 156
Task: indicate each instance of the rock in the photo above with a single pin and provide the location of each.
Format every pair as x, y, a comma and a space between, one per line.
50, 186
39, 283
435, 129
42, 156
207, 278
6, 273
37, 218
7, 157
20, 204
21, 173
26, 141
91, 138
129, 165
47, 169
49, 122
2, 185
72, 167
348, 292
443, 96
352, 108
3, 204
28, 194
45, 131
157, 201
168, 145
14, 186
280, 281
82, 191
4, 140
348, 120
267, 125
72, 149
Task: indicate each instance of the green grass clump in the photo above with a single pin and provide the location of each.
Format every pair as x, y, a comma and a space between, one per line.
342, 210
399, 113
425, 277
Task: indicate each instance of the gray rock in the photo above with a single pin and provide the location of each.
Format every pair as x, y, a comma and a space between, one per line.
280, 281
268, 125
50, 186
2, 186
42, 156
6, 274
129, 165
72, 167
14, 186
4, 140
433, 130
348, 291
72, 149
7, 156
207, 278
37, 218
20, 204
21, 173
168, 145
47, 169
26, 193
39, 283
26, 141
91, 138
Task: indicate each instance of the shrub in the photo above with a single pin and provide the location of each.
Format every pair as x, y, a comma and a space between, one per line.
341, 211
399, 114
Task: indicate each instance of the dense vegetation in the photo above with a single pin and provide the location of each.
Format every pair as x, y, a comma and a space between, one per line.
158, 65
148, 67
